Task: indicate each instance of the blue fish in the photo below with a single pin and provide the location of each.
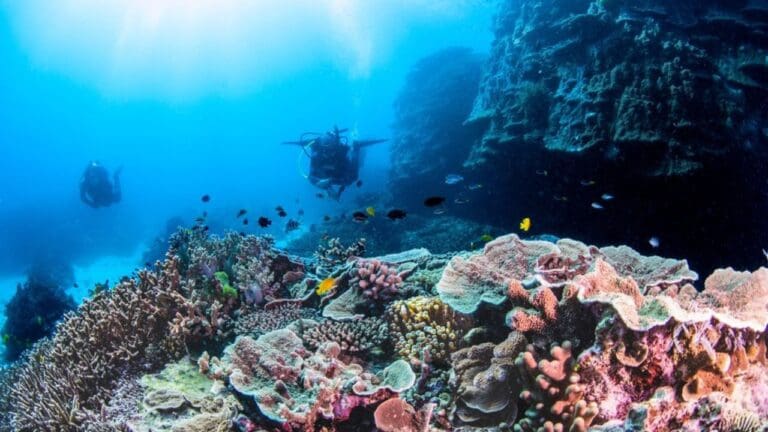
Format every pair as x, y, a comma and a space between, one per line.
452, 179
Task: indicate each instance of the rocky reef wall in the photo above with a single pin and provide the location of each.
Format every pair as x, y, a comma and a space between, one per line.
660, 104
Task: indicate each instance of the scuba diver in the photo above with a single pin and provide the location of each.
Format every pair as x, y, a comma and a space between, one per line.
334, 160
96, 189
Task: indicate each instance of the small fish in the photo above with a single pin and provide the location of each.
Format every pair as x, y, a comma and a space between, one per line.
281, 211
205, 198
320, 195
525, 224
606, 197
655, 242
326, 218
485, 238
395, 214
200, 220
542, 172
370, 211
242, 212
460, 200
75, 285
765, 252
205, 228
301, 212
359, 216
434, 201
587, 182
359, 183
242, 233
475, 186
326, 286
452, 179
245, 221
439, 211
264, 222
559, 197
291, 225
597, 206
205, 214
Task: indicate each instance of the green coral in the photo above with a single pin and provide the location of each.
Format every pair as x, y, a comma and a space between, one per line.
226, 289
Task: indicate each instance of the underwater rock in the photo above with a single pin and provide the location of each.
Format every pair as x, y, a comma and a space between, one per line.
656, 102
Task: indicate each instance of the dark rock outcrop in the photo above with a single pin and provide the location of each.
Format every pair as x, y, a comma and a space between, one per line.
660, 104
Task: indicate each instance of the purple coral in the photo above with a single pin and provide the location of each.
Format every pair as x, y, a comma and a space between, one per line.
376, 279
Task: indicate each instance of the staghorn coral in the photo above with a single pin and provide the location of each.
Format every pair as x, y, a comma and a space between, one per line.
65, 381
376, 279
354, 337
424, 328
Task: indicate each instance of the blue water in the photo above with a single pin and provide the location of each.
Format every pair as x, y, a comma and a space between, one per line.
190, 100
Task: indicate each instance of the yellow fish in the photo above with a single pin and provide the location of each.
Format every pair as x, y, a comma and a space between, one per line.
371, 211
525, 224
325, 286
486, 238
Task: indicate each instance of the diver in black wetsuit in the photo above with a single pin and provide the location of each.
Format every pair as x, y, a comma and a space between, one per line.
334, 162
96, 190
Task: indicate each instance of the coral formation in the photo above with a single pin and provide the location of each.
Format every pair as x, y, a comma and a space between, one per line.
486, 383
603, 339
425, 329
353, 337
376, 279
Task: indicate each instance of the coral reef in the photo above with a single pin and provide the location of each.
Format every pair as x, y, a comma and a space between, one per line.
292, 386
567, 337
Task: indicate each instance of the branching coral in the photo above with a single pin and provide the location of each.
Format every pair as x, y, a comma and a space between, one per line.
65, 381
425, 328
377, 280
553, 392
333, 253
353, 337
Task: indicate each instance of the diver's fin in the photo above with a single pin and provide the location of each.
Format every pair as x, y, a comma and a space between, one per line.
366, 143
